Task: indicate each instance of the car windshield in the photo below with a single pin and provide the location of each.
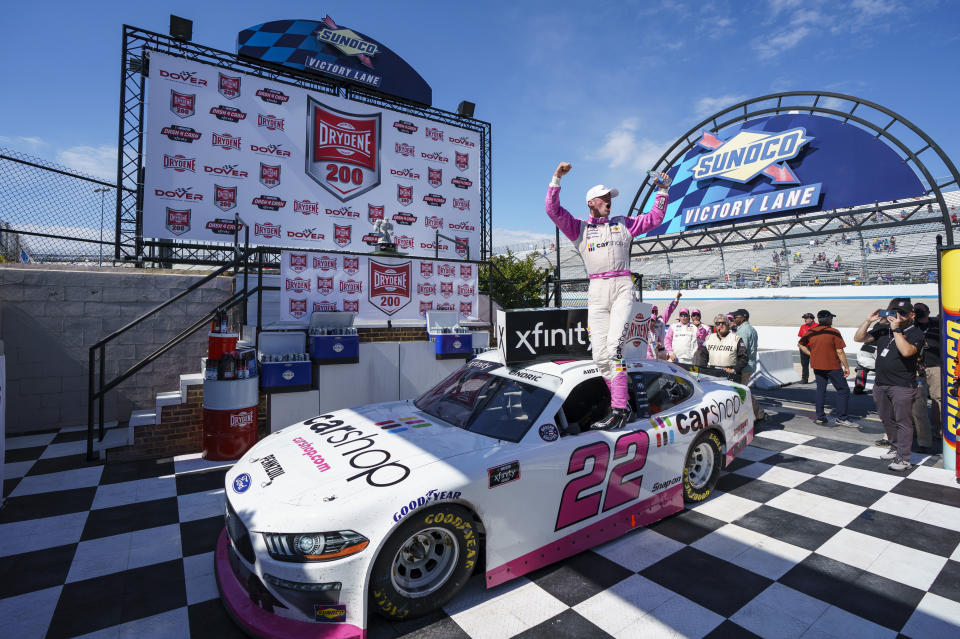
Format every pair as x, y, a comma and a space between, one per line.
483, 403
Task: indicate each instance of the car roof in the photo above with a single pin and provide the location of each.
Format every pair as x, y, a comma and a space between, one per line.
565, 369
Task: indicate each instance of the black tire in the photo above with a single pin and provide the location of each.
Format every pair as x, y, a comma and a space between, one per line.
449, 528
702, 467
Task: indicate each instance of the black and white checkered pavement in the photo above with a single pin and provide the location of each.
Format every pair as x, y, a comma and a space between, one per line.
806, 537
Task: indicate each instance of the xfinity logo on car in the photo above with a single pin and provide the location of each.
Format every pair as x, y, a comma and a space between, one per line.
547, 333
504, 474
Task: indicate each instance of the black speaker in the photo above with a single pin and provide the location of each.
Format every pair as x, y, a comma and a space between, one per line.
465, 109
181, 28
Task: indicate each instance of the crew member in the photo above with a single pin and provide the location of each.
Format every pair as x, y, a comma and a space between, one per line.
702, 331
808, 323
604, 244
656, 346
681, 340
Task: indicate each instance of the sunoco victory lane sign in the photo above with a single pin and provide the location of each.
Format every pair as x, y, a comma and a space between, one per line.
303, 170
376, 288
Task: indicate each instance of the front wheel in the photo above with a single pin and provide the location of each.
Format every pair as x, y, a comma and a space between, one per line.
702, 468
424, 563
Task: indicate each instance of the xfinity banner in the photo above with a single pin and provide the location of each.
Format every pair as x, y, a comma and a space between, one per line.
303, 170
376, 288
561, 333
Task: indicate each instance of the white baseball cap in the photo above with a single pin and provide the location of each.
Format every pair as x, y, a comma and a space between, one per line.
601, 190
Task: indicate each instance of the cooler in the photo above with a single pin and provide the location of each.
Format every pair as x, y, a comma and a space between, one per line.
289, 376
220, 343
229, 417
448, 345
333, 349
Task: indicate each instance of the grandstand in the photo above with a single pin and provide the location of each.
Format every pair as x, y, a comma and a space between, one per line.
850, 255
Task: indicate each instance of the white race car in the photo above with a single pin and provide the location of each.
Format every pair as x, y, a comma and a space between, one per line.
392, 506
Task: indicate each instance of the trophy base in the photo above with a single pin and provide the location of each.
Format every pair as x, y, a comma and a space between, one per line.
387, 248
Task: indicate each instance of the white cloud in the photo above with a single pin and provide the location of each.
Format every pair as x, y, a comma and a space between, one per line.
98, 161
509, 237
767, 48
707, 105
874, 8
22, 142
623, 148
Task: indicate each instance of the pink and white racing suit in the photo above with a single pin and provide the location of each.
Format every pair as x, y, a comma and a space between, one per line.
604, 245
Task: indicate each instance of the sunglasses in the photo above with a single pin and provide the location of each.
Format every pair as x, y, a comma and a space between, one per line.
684, 314
721, 323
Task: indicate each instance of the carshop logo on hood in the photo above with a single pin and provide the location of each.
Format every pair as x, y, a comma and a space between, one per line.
374, 463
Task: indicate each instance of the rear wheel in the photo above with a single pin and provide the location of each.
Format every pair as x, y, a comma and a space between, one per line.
424, 563
702, 468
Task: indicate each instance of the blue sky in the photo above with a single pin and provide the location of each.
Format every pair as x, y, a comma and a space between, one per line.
606, 85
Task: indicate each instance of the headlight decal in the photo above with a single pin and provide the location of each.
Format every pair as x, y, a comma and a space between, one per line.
306, 547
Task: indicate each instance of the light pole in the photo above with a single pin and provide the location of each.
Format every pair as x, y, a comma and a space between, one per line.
102, 190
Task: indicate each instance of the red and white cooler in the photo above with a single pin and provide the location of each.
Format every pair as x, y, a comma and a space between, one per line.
229, 417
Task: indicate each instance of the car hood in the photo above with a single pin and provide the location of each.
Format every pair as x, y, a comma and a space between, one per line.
378, 449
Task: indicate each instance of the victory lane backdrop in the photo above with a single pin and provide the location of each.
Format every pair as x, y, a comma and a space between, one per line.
302, 169
374, 287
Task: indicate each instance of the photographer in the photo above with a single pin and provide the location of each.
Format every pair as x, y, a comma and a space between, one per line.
896, 375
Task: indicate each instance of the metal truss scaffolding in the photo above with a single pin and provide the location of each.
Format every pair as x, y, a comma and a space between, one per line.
130, 243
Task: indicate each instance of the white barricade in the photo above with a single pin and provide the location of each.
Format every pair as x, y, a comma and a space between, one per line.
774, 369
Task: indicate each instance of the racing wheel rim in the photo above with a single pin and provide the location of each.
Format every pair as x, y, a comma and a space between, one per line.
424, 562
700, 465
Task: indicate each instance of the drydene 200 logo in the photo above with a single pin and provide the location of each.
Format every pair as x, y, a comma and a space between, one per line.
389, 288
344, 150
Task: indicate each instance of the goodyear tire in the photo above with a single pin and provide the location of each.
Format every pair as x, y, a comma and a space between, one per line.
424, 563
702, 467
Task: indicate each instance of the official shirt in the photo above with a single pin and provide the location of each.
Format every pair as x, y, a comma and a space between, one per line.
892, 368
823, 342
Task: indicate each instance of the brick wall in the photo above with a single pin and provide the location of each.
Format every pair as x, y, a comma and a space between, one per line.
51, 316
180, 431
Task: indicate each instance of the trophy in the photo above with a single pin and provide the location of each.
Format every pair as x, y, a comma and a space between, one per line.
386, 245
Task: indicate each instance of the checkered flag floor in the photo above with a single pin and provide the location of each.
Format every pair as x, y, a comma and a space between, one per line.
805, 537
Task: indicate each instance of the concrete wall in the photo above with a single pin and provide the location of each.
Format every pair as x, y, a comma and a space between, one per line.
49, 317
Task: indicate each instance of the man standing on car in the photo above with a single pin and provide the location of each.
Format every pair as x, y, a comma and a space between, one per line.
604, 244
896, 375
823, 345
808, 323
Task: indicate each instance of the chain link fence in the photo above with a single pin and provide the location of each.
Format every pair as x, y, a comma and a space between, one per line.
53, 214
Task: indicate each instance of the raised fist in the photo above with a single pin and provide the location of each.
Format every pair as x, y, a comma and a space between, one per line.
562, 169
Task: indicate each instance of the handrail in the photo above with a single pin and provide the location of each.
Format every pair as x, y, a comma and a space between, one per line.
173, 299
241, 257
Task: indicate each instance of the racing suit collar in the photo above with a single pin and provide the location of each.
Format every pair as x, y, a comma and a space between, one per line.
598, 220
